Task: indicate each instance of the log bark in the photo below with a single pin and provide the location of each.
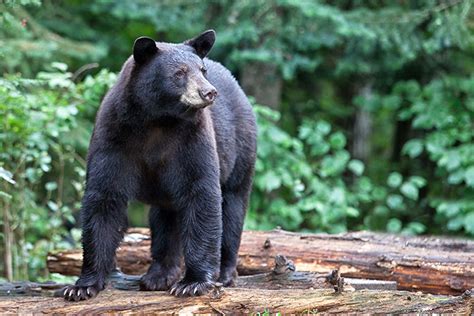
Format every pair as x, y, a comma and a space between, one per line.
282, 276
243, 300
428, 264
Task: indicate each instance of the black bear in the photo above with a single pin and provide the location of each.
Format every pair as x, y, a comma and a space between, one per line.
177, 132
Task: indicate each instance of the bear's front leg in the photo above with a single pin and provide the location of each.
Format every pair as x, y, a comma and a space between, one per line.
104, 223
201, 223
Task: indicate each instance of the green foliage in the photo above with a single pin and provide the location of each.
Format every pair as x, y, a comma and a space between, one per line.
405, 65
26, 45
38, 145
441, 114
311, 182
299, 180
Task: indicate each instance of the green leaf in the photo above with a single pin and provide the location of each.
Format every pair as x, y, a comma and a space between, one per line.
394, 179
416, 227
379, 193
337, 140
271, 181
450, 209
381, 210
469, 176
456, 177
335, 164
413, 148
5, 195
395, 202
409, 190
51, 186
323, 127
418, 181
456, 223
356, 166
451, 160
352, 212
337, 196
469, 223
53, 206
59, 66
394, 225
6, 175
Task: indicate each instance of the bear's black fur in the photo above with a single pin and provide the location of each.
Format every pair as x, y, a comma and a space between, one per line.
163, 137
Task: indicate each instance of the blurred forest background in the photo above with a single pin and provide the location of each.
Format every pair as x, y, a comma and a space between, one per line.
365, 111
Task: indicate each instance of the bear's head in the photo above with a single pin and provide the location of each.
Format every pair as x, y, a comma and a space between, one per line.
170, 79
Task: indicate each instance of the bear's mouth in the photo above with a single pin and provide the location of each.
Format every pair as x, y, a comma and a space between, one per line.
206, 104
193, 104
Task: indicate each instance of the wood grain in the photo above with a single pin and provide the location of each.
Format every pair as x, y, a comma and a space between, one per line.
429, 264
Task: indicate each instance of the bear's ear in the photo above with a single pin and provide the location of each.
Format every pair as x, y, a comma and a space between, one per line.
203, 43
143, 49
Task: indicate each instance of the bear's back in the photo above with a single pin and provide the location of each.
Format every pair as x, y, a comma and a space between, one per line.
233, 119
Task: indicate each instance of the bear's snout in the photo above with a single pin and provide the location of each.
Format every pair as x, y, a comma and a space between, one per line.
199, 93
208, 94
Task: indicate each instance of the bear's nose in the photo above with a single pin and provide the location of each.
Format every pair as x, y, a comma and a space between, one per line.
208, 94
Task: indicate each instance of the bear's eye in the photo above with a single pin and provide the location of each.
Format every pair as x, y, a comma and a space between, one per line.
180, 73
203, 70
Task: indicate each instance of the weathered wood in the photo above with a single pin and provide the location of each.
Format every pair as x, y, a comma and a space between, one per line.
429, 264
29, 288
283, 276
281, 290
242, 300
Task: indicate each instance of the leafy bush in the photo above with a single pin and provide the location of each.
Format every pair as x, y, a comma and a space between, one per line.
310, 182
442, 115
42, 145
298, 182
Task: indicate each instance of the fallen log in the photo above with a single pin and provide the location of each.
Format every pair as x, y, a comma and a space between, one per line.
282, 276
243, 300
428, 264
282, 290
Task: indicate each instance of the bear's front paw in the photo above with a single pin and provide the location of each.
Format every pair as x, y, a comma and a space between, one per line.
191, 288
159, 280
80, 293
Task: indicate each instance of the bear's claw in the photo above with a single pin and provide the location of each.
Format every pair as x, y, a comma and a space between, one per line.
186, 288
79, 293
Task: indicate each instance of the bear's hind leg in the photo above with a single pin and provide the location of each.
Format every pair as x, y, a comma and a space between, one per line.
235, 196
166, 251
233, 213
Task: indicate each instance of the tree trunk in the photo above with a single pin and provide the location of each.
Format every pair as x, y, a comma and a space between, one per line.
362, 128
8, 243
401, 136
263, 82
429, 264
